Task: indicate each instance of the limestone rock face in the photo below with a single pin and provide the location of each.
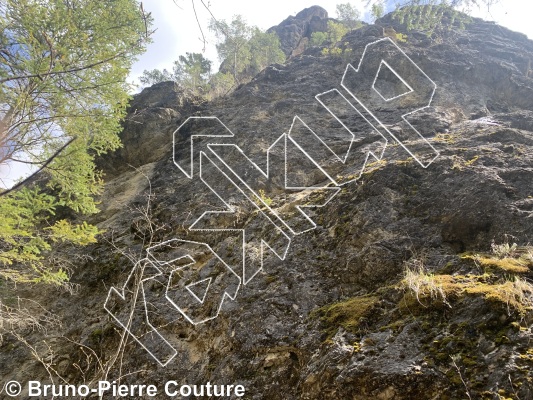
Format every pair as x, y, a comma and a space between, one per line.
148, 128
332, 319
295, 31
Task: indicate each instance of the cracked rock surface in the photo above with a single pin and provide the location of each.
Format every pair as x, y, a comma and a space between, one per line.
332, 320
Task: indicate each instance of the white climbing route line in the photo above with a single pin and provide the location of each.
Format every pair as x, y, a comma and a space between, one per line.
189, 278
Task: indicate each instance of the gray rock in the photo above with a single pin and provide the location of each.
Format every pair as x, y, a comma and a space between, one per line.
331, 320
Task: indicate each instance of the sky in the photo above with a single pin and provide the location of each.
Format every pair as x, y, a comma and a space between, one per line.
178, 32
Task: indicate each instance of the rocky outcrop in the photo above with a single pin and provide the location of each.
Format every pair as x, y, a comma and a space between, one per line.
332, 320
156, 109
295, 32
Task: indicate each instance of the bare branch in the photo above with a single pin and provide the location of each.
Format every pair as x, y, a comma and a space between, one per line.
39, 170
199, 26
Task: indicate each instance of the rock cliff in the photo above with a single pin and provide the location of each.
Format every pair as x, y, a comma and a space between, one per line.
334, 315
295, 32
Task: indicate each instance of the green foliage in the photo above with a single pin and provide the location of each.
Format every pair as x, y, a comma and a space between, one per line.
499, 283
221, 83
334, 34
149, 78
245, 49
347, 314
63, 71
400, 37
191, 72
336, 31
264, 198
377, 10
27, 233
318, 38
465, 4
349, 15
232, 43
505, 257
332, 51
64, 231
265, 49
429, 18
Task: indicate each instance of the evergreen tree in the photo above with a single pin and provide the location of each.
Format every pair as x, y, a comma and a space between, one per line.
232, 45
391, 5
192, 72
63, 70
348, 15
149, 78
221, 83
336, 31
318, 38
265, 49
377, 10
245, 49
